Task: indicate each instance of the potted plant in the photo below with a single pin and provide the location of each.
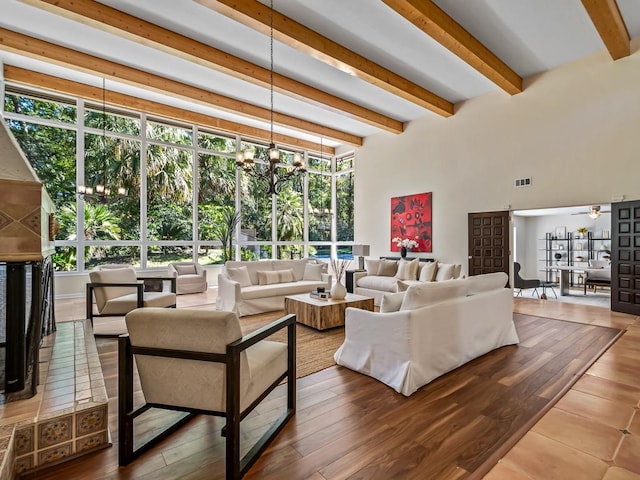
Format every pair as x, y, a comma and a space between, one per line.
581, 231
404, 244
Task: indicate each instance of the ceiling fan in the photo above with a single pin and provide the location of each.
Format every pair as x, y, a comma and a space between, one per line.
594, 212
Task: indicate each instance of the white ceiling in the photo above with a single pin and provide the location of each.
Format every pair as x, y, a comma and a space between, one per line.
543, 212
530, 36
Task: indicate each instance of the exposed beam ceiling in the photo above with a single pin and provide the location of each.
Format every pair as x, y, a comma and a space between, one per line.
433, 21
345, 69
606, 17
68, 87
113, 21
286, 30
48, 52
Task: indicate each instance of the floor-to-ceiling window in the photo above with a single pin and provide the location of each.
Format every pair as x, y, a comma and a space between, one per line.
182, 188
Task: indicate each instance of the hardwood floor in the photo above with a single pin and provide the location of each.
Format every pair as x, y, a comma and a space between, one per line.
350, 426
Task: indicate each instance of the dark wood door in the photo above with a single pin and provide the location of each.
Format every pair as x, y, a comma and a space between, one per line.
625, 257
488, 242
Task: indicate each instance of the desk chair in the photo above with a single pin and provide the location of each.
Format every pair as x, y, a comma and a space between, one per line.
520, 283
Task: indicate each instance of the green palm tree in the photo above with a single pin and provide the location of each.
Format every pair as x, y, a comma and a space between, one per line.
100, 223
290, 215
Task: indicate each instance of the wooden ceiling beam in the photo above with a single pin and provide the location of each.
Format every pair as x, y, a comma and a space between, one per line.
50, 53
608, 21
69, 87
113, 21
286, 30
433, 21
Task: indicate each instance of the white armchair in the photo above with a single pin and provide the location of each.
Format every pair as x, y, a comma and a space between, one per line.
198, 362
190, 277
117, 291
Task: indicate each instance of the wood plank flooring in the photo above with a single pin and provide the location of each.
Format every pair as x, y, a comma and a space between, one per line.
351, 426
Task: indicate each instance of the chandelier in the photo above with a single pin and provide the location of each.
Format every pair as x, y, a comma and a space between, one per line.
101, 192
245, 159
594, 212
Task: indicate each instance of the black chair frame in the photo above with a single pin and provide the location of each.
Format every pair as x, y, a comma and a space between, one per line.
140, 289
595, 283
236, 467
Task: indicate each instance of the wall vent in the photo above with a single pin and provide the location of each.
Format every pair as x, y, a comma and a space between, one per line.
522, 182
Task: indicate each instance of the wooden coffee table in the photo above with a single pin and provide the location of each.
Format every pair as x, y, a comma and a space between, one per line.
323, 314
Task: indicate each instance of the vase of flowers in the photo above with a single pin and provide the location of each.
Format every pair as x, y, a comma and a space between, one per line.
338, 290
404, 244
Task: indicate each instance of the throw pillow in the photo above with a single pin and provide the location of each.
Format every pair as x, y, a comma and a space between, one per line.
408, 270
429, 293
240, 275
445, 271
402, 287
387, 268
185, 269
312, 272
371, 266
487, 282
269, 277
457, 270
428, 272
391, 302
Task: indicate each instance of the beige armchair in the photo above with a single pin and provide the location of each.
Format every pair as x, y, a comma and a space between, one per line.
198, 362
597, 275
190, 277
117, 291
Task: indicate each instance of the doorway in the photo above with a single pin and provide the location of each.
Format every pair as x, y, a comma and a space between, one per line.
567, 237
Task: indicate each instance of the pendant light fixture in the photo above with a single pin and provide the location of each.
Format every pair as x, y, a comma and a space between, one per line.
101, 192
245, 159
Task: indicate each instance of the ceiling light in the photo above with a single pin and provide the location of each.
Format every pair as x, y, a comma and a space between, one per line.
594, 212
101, 192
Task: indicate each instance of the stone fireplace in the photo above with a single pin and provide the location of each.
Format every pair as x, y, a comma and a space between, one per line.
26, 273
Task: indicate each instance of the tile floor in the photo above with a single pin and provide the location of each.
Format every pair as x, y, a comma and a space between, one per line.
68, 415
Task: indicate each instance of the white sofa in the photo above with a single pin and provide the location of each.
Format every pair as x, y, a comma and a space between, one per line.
247, 288
410, 345
383, 276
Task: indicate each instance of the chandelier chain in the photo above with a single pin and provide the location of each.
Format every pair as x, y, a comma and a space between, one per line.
271, 66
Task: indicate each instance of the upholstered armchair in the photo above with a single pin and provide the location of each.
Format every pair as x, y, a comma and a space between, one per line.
117, 291
198, 362
190, 277
598, 274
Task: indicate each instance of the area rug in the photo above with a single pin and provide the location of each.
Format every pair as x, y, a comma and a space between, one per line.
315, 348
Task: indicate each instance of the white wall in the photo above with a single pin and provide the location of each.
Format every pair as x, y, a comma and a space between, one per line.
574, 130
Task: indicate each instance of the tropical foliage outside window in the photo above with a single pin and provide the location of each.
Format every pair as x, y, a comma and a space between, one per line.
181, 183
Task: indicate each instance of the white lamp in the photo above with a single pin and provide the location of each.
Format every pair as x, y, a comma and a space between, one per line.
361, 251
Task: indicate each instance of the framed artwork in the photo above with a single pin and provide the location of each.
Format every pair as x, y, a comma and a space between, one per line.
561, 232
411, 218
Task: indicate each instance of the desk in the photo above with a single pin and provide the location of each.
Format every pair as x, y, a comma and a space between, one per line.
564, 275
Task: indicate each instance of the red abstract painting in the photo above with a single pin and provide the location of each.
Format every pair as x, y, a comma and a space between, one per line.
411, 218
